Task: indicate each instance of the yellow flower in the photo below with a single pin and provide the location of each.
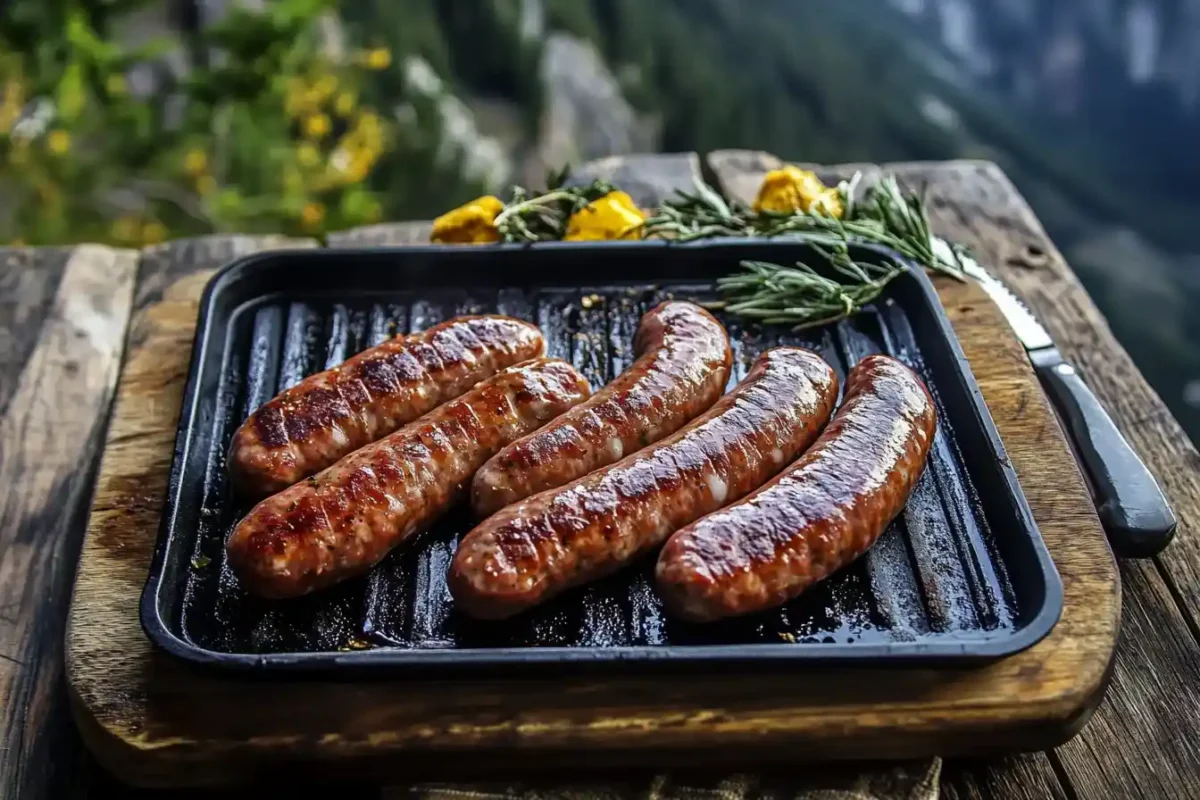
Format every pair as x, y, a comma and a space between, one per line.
379, 58
308, 155
357, 169
316, 126
206, 185
344, 104
195, 163
124, 229
58, 142
473, 223
793, 189
312, 214
115, 84
153, 232
325, 86
613, 216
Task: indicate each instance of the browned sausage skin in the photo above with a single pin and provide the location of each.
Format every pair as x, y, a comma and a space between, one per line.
682, 367
342, 521
819, 515
325, 416
577, 533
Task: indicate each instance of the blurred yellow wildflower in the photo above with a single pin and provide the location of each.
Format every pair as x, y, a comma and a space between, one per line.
324, 88
378, 58
473, 223
792, 189
206, 185
317, 126
153, 232
58, 142
613, 216
195, 162
312, 214
308, 155
344, 104
125, 229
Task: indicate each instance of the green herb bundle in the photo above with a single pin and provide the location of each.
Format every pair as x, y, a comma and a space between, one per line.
833, 287
805, 295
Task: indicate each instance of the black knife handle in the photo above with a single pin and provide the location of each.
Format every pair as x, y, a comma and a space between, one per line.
1132, 508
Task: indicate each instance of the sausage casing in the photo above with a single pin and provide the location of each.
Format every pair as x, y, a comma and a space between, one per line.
681, 370
577, 533
819, 515
342, 521
314, 423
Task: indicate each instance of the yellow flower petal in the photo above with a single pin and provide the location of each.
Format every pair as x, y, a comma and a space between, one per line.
316, 126
195, 163
58, 142
473, 223
153, 232
613, 216
312, 214
325, 86
308, 155
791, 189
125, 229
379, 58
344, 104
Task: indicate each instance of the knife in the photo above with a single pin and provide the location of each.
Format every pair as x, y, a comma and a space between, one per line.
1129, 502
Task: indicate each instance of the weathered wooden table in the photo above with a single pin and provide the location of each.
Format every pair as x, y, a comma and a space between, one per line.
68, 315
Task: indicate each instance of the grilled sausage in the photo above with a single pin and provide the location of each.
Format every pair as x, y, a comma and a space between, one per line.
577, 533
325, 416
342, 521
682, 367
819, 515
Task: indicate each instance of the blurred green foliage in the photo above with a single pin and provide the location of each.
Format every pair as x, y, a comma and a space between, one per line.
265, 131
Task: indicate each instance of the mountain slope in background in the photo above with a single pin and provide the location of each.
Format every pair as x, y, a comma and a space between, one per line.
1091, 106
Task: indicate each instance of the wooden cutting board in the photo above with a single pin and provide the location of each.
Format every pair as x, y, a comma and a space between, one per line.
155, 721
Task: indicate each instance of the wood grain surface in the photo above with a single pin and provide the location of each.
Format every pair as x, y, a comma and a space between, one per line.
1133, 746
65, 313
156, 721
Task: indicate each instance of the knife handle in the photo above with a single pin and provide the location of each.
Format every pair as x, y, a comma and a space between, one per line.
1132, 508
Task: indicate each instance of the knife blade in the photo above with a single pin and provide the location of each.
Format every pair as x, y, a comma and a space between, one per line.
1131, 506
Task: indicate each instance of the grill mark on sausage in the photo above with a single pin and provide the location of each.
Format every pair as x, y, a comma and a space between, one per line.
577, 533
683, 363
309, 426
816, 517
342, 521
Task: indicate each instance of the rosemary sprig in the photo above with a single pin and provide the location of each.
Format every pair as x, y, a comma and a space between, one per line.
801, 295
543, 217
882, 215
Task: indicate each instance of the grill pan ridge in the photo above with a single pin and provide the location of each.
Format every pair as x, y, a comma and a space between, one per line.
961, 576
